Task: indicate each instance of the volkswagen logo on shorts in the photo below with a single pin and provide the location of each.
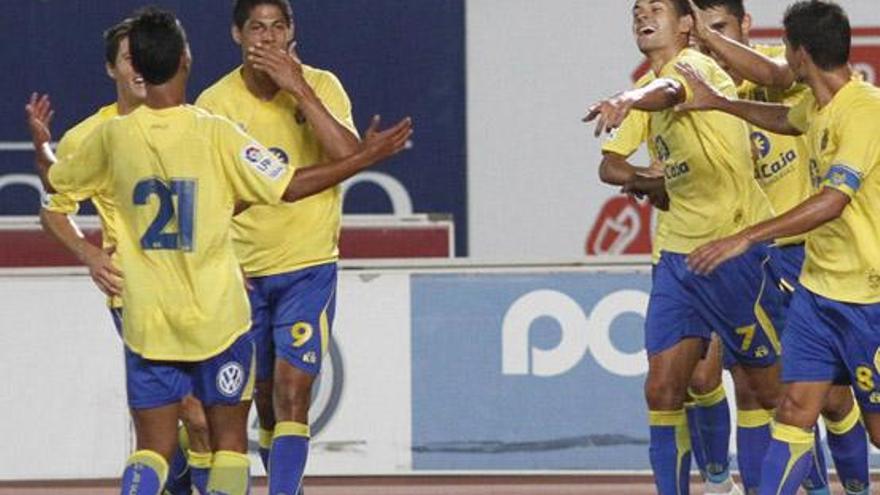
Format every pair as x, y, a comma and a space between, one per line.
230, 379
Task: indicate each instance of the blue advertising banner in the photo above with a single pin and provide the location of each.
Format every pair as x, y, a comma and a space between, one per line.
394, 58
529, 371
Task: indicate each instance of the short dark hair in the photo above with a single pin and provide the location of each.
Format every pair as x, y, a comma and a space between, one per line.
157, 42
113, 38
735, 7
683, 7
822, 28
242, 10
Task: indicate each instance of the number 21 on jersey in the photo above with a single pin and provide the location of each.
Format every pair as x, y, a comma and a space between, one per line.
157, 235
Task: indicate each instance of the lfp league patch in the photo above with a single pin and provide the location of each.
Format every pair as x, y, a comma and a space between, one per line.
263, 161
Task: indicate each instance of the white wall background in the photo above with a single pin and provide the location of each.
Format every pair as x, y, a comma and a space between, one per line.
533, 68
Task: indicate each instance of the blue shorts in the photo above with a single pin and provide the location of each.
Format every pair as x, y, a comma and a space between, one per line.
785, 265
734, 301
292, 316
116, 314
223, 380
827, 340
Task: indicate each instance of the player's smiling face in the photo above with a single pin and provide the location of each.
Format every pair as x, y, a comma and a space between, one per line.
129, 83
266, 25
657, 25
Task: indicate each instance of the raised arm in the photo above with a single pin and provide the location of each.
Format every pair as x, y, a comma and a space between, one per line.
377, 146
769, 116
39, 117
285, 68
742, 59
659, 94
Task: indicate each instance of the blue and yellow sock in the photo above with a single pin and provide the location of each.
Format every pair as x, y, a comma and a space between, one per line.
752, 440
230, 473
178, 482
200, 470
265, 440
788, 460
848, 443
670, 451
698, 448
713, 421
816, 482
287, 459
144, 474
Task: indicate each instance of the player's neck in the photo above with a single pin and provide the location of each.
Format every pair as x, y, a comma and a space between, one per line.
662, 56
259, 83
826, 84
126, 105
166, 95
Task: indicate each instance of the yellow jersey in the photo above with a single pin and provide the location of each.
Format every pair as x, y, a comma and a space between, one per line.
175, 176
64, 204
708, 165
843, 256
781, 162
626, 140
277, 239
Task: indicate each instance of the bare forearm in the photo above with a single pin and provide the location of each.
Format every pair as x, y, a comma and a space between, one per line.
615, 170
62, 228
308, 181
43, 160
807, 216
658, 95
336, 140
748, 63
770, 116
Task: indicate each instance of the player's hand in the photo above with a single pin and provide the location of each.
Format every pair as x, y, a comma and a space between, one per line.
107, 277
382, 144
648, 184
39, 117
609, 113
703, 96
284, 67
709, 256
701, 29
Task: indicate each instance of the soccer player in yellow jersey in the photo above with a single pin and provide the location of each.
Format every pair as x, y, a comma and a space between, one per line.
176, 175
783, 168
130, 93
830, 335
712, 193
304, 115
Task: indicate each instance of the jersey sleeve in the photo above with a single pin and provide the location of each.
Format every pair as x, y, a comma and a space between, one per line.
707, 68
206, 102
254, 173
628, 138
333, 96
60, 202
83, 173
858, 150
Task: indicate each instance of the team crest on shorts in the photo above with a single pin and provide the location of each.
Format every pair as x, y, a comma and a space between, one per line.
230, 379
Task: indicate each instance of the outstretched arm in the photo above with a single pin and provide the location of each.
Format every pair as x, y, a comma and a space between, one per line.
811, 214
39, 117
377, 146
770, 116
641, 182
285, 68
742, 59
659, 94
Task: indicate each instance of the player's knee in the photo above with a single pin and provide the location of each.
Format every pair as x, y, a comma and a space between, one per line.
263, 403
704, 383
793, 412
840, 403
291, 402
664, 395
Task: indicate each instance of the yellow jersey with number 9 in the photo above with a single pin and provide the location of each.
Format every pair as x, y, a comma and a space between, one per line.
843, 255
176, 175
708, 165
270, 240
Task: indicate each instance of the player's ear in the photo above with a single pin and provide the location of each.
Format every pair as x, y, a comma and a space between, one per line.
685, 24
236, 34
111, 71
746, 24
